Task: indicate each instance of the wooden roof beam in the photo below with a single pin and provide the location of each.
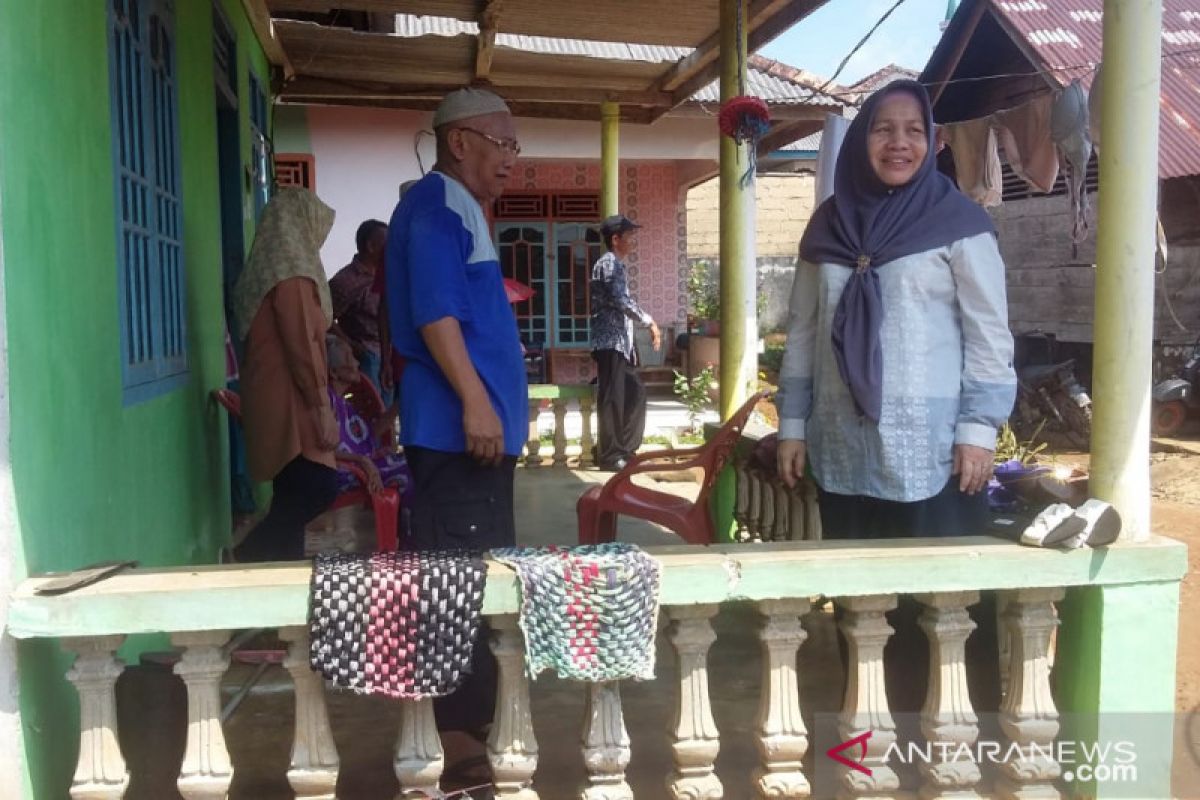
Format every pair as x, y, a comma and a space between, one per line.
786, 133
264, 30
485, 43
317, 88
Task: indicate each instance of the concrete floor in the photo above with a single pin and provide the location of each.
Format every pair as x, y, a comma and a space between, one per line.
259, 733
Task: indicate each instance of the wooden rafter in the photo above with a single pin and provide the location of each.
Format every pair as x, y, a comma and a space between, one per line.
326, 89
264, 30
485, 44
786, 133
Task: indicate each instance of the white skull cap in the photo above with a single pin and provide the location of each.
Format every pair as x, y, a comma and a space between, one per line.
467, 103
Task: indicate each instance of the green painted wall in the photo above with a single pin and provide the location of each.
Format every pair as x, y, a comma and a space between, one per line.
96, 479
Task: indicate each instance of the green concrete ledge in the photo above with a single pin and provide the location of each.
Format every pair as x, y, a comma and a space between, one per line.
276, 595
560, 391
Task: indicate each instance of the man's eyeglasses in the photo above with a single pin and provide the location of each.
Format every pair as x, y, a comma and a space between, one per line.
510, 146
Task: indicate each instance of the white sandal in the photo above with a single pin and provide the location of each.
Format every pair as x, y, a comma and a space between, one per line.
1102, 525
1053, 525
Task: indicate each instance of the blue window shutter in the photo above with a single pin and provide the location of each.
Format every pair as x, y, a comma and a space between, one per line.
151, 285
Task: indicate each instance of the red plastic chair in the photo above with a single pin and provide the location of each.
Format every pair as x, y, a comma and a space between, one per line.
385, 503
599, 506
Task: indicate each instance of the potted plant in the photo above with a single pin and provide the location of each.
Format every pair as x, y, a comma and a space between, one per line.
704, 299
704, 317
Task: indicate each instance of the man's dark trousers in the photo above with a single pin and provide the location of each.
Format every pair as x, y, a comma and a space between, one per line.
460, 504
620, 407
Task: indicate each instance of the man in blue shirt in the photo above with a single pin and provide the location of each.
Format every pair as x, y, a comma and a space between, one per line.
463, 396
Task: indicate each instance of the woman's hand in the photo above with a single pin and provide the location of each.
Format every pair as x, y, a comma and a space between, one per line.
973, 466
328, 434
374, 482
790, 455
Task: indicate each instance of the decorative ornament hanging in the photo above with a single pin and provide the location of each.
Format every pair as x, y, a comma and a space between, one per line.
745, 118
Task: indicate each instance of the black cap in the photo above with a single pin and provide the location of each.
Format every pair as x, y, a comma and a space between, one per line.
617, 223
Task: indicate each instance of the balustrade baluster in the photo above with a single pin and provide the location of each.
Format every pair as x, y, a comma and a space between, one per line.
866, 705
782, 737
419, 761
1028, 715
947, 719
695, 741
560, 431
512, 747
314, 768
100, 772
605, 744
206, 771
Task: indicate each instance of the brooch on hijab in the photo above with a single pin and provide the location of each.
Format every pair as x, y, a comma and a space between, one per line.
864, 261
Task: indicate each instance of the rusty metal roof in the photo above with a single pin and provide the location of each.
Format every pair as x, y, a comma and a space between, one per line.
1065, 37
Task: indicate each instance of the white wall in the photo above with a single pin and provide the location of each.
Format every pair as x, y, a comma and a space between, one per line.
363, 155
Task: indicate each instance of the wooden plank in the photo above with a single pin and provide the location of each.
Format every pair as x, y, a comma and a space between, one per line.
485, 43
264, 31
270, 596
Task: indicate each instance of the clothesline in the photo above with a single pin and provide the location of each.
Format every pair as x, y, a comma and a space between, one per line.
856, 98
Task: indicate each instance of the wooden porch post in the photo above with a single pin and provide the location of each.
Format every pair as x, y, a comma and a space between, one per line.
1125, 242
739, 326
610, 161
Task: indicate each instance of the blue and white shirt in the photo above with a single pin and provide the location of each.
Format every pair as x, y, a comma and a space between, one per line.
441, 263
947, 371
613, 309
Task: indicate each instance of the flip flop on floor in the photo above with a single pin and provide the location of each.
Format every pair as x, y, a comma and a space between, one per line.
1102, 524
1052, 526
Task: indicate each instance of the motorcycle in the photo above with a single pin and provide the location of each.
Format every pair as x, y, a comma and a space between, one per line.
1050, 398
1176, 396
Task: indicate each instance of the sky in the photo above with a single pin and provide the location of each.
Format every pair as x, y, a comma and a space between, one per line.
819, 42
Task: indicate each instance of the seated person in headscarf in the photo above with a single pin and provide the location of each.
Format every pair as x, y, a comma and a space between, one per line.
359, 440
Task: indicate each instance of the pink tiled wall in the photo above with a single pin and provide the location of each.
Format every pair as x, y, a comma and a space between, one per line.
649, 196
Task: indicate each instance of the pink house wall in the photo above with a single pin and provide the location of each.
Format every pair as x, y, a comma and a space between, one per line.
650, 197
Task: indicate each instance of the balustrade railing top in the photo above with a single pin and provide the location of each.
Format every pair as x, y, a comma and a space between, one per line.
276, 595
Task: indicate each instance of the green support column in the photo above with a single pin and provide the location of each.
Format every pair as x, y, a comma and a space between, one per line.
610, 160
1125, 243
739, 324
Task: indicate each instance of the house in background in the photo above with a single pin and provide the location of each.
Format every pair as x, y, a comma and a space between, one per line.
546, 223
785, 194
1038, 48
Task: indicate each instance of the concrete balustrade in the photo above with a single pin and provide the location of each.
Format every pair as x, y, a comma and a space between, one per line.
199, 606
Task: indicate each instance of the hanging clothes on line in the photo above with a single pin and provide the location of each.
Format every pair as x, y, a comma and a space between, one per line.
1025, 135
976, 160
1069, 128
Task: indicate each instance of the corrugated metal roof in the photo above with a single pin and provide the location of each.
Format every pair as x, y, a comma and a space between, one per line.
411, 25
1069, 35
776, 90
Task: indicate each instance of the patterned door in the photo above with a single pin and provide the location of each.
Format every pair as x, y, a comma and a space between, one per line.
577, 246
521, 247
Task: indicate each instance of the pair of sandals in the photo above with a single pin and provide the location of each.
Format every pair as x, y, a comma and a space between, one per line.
1095, 524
